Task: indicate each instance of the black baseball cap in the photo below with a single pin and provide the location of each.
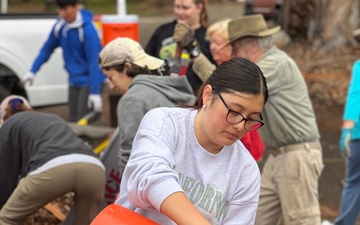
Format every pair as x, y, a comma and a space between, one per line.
64, 3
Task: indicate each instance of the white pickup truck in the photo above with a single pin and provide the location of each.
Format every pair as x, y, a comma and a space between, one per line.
21, 37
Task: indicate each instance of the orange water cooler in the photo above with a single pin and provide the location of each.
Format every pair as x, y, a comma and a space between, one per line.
114, 26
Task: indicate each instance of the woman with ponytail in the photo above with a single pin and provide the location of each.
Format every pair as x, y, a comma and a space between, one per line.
41, 158
187, 165
192, 13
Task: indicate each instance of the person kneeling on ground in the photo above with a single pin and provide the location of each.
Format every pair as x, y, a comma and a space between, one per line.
41, 158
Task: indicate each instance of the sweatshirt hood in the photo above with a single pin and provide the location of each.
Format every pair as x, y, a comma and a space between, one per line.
176, 89
83, 16
86, 15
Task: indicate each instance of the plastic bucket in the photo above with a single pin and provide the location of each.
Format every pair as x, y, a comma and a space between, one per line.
118, 215
114, 26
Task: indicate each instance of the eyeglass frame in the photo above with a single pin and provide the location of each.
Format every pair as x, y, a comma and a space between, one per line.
233, 111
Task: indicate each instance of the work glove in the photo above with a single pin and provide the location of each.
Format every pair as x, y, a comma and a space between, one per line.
95, 102
185, 37
203, 67
345, 141
28, 78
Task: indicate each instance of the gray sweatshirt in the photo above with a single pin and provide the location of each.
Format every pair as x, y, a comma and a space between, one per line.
145, 93
167, 158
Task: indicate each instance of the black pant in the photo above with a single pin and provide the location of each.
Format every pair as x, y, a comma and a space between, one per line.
78, 103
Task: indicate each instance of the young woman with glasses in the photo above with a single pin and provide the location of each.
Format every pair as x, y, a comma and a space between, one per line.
188, 166
217, 34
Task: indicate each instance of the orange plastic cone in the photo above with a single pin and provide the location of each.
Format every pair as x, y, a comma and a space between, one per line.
117, 215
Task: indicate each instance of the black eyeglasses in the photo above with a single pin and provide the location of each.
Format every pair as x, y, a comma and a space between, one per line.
234, 117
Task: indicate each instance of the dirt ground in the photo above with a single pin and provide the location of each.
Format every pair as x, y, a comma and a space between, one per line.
327, 76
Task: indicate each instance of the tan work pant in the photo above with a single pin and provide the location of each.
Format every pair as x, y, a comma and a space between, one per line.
289, 187
87, 180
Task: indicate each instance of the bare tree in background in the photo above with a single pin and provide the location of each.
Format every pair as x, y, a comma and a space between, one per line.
330, 22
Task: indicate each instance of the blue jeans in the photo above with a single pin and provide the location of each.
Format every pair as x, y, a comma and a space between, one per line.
350, 202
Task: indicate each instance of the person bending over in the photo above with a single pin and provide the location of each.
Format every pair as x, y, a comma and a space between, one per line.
41, 158
188, 165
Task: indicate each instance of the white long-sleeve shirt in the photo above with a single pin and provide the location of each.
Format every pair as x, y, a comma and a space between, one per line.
167, 158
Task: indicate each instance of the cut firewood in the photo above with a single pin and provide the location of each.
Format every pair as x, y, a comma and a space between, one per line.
56, 211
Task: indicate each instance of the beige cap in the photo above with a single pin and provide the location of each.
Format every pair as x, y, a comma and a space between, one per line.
4, 104
250, 25
121, 50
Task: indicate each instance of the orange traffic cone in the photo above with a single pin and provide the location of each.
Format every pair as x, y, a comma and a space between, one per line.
117, 215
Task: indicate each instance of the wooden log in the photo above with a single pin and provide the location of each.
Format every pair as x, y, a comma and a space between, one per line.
56, 211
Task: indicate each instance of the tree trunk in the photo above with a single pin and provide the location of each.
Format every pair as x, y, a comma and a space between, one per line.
331, 21
336, 23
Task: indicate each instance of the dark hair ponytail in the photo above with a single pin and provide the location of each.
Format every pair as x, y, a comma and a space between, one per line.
236, 75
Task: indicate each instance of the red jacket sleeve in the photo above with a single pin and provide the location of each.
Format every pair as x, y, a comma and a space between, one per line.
254, 144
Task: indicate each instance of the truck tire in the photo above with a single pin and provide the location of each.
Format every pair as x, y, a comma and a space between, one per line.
4, 92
